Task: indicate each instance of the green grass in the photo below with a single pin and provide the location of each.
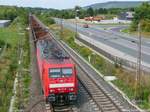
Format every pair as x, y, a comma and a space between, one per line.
130, 92
9, 35
25, 76
125, 31
125, 81
9, 63
8, 66
144, 34
125, 88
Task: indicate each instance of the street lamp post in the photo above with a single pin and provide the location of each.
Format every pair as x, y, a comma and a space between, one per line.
76, 23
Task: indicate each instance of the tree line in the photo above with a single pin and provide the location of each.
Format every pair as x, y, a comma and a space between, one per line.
142, 13
81, 12
11, 12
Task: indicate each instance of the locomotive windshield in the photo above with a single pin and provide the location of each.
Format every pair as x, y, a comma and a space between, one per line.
67, 72
55, 72
60, 72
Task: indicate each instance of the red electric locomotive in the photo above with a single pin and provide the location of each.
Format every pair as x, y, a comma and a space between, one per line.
57, 71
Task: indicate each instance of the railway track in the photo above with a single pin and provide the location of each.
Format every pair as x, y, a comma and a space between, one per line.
70, 108
98, 95
97, 87
38, 102
103, 101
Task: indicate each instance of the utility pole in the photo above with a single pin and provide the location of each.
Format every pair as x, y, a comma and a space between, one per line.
61, 30
138, 71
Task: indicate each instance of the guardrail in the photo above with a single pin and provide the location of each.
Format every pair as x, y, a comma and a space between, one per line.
117, 60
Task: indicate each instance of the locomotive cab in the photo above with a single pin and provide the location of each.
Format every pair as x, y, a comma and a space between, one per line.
56, 69
61, 82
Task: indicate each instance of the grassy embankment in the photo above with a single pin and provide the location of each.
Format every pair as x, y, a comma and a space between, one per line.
22, 96
9, 63
144, 34
125, 79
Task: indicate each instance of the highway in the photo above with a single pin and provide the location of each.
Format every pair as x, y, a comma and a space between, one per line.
99, 92
123, 43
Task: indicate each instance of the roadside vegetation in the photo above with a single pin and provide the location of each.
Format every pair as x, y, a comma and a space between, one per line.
8, 65
143, 33
24, 78
10, 37
125, 78
142, 15
45, 18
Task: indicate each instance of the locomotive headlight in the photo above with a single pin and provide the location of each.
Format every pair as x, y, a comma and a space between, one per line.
71, 89
51, 91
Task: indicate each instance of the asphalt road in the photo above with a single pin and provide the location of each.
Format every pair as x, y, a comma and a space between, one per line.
121, 42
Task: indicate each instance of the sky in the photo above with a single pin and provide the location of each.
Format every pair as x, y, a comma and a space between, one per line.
57, 4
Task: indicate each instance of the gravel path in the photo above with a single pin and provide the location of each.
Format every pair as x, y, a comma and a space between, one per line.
35, 86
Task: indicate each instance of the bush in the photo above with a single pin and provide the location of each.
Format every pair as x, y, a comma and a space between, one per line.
2, 43
146, 25
46, 19
142, 13
85, 52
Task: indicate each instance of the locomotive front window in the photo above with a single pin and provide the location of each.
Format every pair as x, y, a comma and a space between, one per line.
54, 72
67, 72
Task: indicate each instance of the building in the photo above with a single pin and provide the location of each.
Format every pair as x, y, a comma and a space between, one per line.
4, 23
126, 15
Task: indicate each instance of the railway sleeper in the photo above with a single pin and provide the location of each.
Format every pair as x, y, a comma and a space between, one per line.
88, 83
91, 86
99, 95
103, 101
101, 98
110, 110
93, 89
112, 107
96, 92
108, 105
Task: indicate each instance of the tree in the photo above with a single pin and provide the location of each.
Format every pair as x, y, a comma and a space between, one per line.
102, 11
77, 8
142, 13
90, 11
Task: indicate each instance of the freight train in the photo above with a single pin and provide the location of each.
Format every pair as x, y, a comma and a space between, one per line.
57, 71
